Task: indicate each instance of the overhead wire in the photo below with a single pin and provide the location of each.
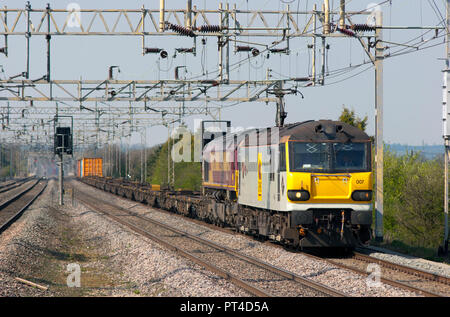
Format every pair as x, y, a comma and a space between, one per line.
246, 60
437, 12
417, 44
419, 49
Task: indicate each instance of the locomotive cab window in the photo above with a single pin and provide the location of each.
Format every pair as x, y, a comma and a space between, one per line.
309, 156
205, 171
329, 157
282, 151
350, 156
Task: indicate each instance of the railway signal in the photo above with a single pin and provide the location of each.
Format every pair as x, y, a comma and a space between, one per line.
63, 144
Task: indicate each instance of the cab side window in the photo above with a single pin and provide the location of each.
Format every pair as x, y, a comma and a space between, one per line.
282, 151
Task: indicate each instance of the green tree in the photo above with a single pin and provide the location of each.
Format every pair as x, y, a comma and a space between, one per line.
413, 199
188, 175
349, 116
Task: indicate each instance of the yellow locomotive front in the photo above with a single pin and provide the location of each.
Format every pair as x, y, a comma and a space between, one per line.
329, 186
329, 173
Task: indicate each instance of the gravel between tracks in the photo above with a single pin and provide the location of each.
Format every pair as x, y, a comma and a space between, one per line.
320, 271
113, 260
154, 270
17, 259
411, 261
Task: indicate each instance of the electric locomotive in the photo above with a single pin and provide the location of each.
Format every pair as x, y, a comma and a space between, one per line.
306, 184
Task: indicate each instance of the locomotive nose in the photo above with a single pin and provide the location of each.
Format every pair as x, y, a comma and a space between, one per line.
330, 186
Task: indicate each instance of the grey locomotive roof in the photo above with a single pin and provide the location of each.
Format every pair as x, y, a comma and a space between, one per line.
323, 130
307, 131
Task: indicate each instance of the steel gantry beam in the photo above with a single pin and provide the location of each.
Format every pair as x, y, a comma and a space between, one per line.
137, 90
28, 122
142, 110
157, 22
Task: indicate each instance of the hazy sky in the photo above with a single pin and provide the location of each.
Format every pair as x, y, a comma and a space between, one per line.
412, 82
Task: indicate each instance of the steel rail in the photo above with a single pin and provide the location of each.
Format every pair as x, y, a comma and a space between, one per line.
6, 203
279, 271
7, 183
13, 185
226, 275
364, 273
402, 268
16, 216
9, 187
12, 181
382, 279
254, 261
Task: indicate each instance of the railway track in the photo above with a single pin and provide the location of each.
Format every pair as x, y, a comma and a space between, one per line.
256, 277
14, 184
13, 208
421, 282
6, 183
398, 277
433, 282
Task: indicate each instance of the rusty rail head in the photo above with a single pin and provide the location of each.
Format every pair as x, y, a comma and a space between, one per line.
16, 215
402, 268
226, 275
383, 279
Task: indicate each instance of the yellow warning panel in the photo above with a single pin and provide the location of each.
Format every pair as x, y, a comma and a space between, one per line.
259, 176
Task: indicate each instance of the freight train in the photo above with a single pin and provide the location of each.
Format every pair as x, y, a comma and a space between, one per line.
306, 185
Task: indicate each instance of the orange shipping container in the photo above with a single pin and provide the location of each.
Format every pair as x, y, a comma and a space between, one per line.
91, 167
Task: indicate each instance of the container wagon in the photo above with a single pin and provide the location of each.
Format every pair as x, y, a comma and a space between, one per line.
90, 167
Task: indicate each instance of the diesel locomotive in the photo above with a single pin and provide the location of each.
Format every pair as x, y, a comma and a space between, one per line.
306, 184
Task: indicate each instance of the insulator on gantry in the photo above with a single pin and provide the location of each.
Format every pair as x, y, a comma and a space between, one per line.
279, 50
209, 28
185, 50
240, 48
362, 27
253, 50
154, 50
346, 32
181, 30
301, 79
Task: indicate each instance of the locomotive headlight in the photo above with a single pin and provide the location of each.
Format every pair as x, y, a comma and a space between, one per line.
362, 195
298, 195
